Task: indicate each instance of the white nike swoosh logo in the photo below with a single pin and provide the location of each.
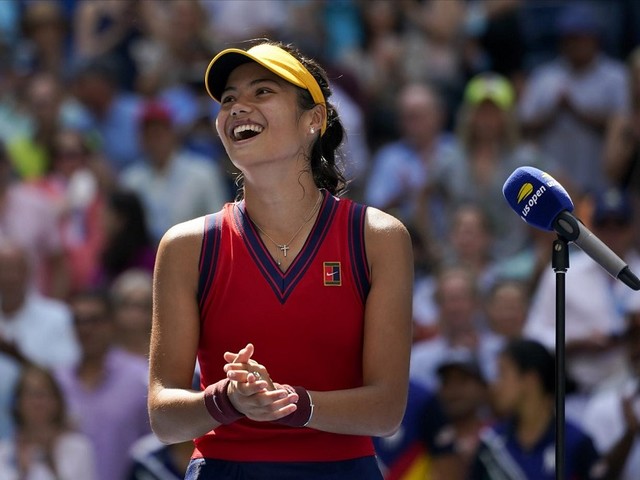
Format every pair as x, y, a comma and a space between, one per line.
331, 274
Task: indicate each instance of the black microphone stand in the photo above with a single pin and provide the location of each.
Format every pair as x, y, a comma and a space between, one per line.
560, 264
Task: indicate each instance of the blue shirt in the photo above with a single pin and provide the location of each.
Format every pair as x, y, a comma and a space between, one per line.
424, 433
501, 456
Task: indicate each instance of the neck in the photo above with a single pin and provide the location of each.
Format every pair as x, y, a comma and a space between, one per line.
280, 211
533, 418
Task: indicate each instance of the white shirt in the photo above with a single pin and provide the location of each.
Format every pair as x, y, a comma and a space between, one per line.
427, 355
73, 456
42, 330
595, 302
189, 187
604, 421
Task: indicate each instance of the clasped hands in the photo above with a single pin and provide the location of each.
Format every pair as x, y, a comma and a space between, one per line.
251, 390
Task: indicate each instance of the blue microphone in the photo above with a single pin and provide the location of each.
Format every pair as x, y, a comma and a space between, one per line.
542, 202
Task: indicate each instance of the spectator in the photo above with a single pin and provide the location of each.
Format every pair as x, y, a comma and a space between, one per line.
107, 390
44, 446
131, 293
460, 326
464, 396
595, 303
490, 149
27, 220
434, 47
612, 416
622, 143
470, 244
377, 65
523, 445
45, 32
106, 28
404, 172
110, 113
45, 108
75, 185
423, 445
173, 55
242, 19
568, 101
127, 243
173, 184
506, 308
29, 322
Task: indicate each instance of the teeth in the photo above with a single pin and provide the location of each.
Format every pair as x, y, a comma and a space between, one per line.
243, 128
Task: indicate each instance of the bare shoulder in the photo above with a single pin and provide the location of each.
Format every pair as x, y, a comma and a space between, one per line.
183, 235
386, 237
381, 225
179, 249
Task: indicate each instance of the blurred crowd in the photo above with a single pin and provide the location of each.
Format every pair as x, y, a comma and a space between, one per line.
107, 139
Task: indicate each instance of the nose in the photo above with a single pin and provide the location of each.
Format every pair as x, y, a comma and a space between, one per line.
239, 107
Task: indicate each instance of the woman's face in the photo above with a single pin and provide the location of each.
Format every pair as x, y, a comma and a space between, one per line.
70, 153
259, 120
38, 403
508, 387
488, 121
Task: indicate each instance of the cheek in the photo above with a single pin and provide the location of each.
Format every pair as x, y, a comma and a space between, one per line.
217, 126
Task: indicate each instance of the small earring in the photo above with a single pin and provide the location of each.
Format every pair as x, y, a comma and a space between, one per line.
312, 130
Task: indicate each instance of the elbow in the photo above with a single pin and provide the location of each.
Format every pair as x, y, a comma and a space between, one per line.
161, 431
390, 421
388, 428
161, 434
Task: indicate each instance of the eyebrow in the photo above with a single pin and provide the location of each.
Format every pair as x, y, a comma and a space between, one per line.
253, 83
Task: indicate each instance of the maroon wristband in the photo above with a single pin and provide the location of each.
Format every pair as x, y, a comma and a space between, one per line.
304, 411
216, 399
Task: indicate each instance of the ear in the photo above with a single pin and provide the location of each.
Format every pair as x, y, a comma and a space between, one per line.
316, 119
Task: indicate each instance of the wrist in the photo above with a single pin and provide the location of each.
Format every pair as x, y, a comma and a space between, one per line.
304, 409
219, 406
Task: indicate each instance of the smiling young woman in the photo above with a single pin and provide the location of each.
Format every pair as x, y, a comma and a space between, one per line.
317, 286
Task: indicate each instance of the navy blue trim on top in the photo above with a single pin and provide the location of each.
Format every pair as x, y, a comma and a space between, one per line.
283, 283
358, 254
209, 254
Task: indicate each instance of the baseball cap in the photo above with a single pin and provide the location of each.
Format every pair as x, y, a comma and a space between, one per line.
577, 19
490, 86
271, 57
461, 359
612, 204
155, 111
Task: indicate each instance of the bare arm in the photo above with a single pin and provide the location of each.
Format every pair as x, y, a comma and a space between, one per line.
618, 148
378, 406
177, 412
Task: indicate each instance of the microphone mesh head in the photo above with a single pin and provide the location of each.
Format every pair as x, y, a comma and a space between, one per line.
536, 196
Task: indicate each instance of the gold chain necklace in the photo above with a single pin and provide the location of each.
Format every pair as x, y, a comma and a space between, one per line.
284, 247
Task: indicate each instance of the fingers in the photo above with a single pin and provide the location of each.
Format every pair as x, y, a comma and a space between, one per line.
243, 356
271, 405
242, 368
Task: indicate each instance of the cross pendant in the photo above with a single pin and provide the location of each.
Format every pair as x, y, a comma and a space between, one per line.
284, 249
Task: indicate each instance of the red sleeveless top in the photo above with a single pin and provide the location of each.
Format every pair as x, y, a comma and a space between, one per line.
306, 324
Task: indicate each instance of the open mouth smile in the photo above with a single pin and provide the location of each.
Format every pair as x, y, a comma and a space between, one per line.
246, 131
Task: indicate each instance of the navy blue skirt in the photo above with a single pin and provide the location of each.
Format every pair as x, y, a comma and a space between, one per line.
365, 468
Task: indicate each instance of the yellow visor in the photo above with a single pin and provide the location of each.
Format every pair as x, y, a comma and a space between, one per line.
273, 58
